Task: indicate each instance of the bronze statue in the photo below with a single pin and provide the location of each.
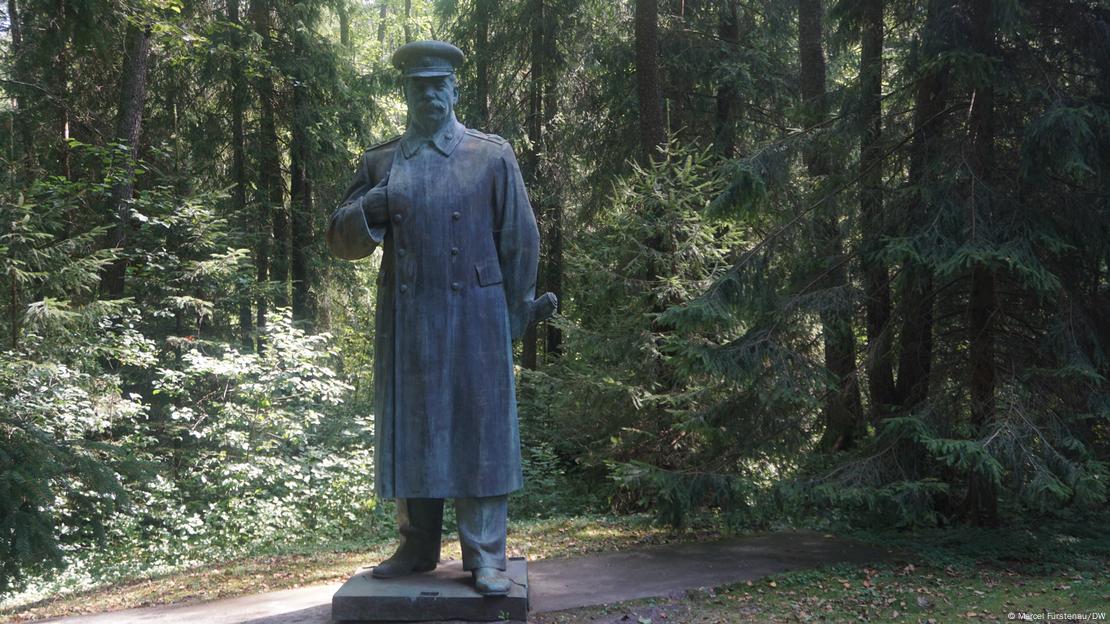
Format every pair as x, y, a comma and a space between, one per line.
456, 286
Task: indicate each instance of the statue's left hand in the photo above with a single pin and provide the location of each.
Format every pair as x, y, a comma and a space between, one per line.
544, 307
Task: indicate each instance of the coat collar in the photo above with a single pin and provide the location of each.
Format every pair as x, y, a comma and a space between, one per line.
446, 140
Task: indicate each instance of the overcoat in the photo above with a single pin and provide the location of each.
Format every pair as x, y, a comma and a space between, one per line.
456, 284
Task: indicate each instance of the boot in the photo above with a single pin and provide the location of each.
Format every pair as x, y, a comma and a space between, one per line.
404, 562
491, 582
419, 520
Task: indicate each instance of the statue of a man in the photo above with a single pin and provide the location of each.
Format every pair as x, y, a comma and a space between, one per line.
456, 286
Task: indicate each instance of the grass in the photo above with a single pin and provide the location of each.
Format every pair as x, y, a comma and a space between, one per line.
887, 593
941, 576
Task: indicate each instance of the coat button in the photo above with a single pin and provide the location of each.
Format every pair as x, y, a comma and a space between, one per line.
454, 215
456, 286
401, 252
397, 218
404, 288
454, 251
449, 136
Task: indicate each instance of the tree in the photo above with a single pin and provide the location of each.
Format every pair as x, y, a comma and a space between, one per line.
270, 258
239, 168
535, 125
21, 117
408, 21
880, 374
728, 30
483, 10
915, 353
300, 157
842, 407
982, 497
132, 95
648, 91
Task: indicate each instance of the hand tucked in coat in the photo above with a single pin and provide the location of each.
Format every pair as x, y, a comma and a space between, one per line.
375, 203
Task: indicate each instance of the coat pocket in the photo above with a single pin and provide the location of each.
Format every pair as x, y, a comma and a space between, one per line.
489, 273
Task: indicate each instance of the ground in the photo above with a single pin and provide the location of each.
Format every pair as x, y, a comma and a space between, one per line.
1046, 572
885, 593
937, 576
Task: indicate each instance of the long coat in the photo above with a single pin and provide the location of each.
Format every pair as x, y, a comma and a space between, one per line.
455, 288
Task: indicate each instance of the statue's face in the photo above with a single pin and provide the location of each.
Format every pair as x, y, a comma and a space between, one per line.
431, 99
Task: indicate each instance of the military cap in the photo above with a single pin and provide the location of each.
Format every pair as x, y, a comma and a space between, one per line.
427, 58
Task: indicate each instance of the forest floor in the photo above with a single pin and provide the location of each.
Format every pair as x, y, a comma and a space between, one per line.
1035, 574
1052, 572
877, 593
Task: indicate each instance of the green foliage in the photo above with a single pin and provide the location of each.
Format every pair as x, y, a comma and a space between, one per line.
60, 462
266, 452
1036, 466
653, 249
59, 468
239, 453
64, 427
676, 498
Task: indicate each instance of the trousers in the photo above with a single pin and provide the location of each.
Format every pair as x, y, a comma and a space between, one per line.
482, 525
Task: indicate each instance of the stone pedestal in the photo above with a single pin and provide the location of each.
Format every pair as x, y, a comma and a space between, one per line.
447, 593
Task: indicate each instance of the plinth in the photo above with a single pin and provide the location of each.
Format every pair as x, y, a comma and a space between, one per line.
447, 593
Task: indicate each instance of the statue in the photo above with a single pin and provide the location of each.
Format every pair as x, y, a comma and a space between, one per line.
456, 286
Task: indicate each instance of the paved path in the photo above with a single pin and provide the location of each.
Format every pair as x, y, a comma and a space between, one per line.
556, 584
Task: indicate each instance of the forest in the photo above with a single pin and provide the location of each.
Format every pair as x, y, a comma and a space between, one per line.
820, 263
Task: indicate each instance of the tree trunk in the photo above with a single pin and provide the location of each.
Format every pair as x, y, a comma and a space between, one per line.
383, 13
482, 53
728, 28
915, 360
408, 20
880, 374
648, 90
344, 11
916, 296
812, 80
301, 200
554, 273
982, 499
553, 213
529, 346
279, 262
239, 173
128, 130
842, 407
270, 174
21, 119
269, 166
58, 81
13, 316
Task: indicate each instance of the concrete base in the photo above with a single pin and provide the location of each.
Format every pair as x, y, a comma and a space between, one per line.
447, 593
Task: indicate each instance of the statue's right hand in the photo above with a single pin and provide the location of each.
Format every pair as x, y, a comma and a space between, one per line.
375, 203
